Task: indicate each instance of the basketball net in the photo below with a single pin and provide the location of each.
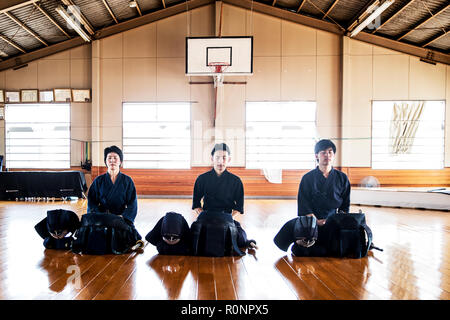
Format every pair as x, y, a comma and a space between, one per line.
218, 68
218, 80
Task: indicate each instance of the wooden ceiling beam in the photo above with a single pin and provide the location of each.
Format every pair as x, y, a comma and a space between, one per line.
80, 16
24, 27
287, 15
440, 10
138, 9
403, 47
330, 8
435, 38
151, 17
13, 44
192, 4
301, 6
114, 29
393, 16
136, 6
45, 13
40, 53
110, 11
8, 5
331, 27
361, 14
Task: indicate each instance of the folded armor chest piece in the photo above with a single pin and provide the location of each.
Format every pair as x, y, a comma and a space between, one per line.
215, 234
104, 233
107, 220
348, 235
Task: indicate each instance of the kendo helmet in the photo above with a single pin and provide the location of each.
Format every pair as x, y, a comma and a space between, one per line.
306, 231
60, 222
172, 228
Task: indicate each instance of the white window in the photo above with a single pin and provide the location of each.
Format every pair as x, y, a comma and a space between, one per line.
157, 135
408, 134
280, 135
37, 136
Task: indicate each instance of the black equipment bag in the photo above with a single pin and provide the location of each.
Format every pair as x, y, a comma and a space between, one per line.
104, 233
173, 227
348, 235
57, 229
58, 244
343, 235
214, 234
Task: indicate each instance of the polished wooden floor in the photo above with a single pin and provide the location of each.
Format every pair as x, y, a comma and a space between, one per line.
415, 263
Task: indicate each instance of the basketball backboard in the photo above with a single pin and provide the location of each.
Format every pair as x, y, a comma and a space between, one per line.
208, 56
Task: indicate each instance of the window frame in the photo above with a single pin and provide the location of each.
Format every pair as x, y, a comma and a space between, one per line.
188, 104
5, 160
314, 138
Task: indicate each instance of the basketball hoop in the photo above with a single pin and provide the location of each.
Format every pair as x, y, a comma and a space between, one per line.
218, 68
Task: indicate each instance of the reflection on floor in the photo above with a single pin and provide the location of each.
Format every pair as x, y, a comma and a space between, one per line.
413, 265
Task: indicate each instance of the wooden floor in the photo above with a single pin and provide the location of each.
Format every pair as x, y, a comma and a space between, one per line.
415, 263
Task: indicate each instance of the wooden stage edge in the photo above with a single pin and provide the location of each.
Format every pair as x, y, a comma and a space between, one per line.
181, 182
163, 182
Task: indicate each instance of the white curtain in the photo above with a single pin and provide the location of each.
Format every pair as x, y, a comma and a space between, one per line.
404, 124
273, 175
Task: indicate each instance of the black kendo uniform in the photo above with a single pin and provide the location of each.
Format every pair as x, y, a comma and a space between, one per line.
322, 197
221, 194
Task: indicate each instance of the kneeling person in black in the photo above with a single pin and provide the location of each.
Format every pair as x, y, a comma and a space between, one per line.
222, 193
322, 192
108, 226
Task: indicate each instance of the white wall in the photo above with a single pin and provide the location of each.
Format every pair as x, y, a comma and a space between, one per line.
375, 73
68, 69
291, 62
